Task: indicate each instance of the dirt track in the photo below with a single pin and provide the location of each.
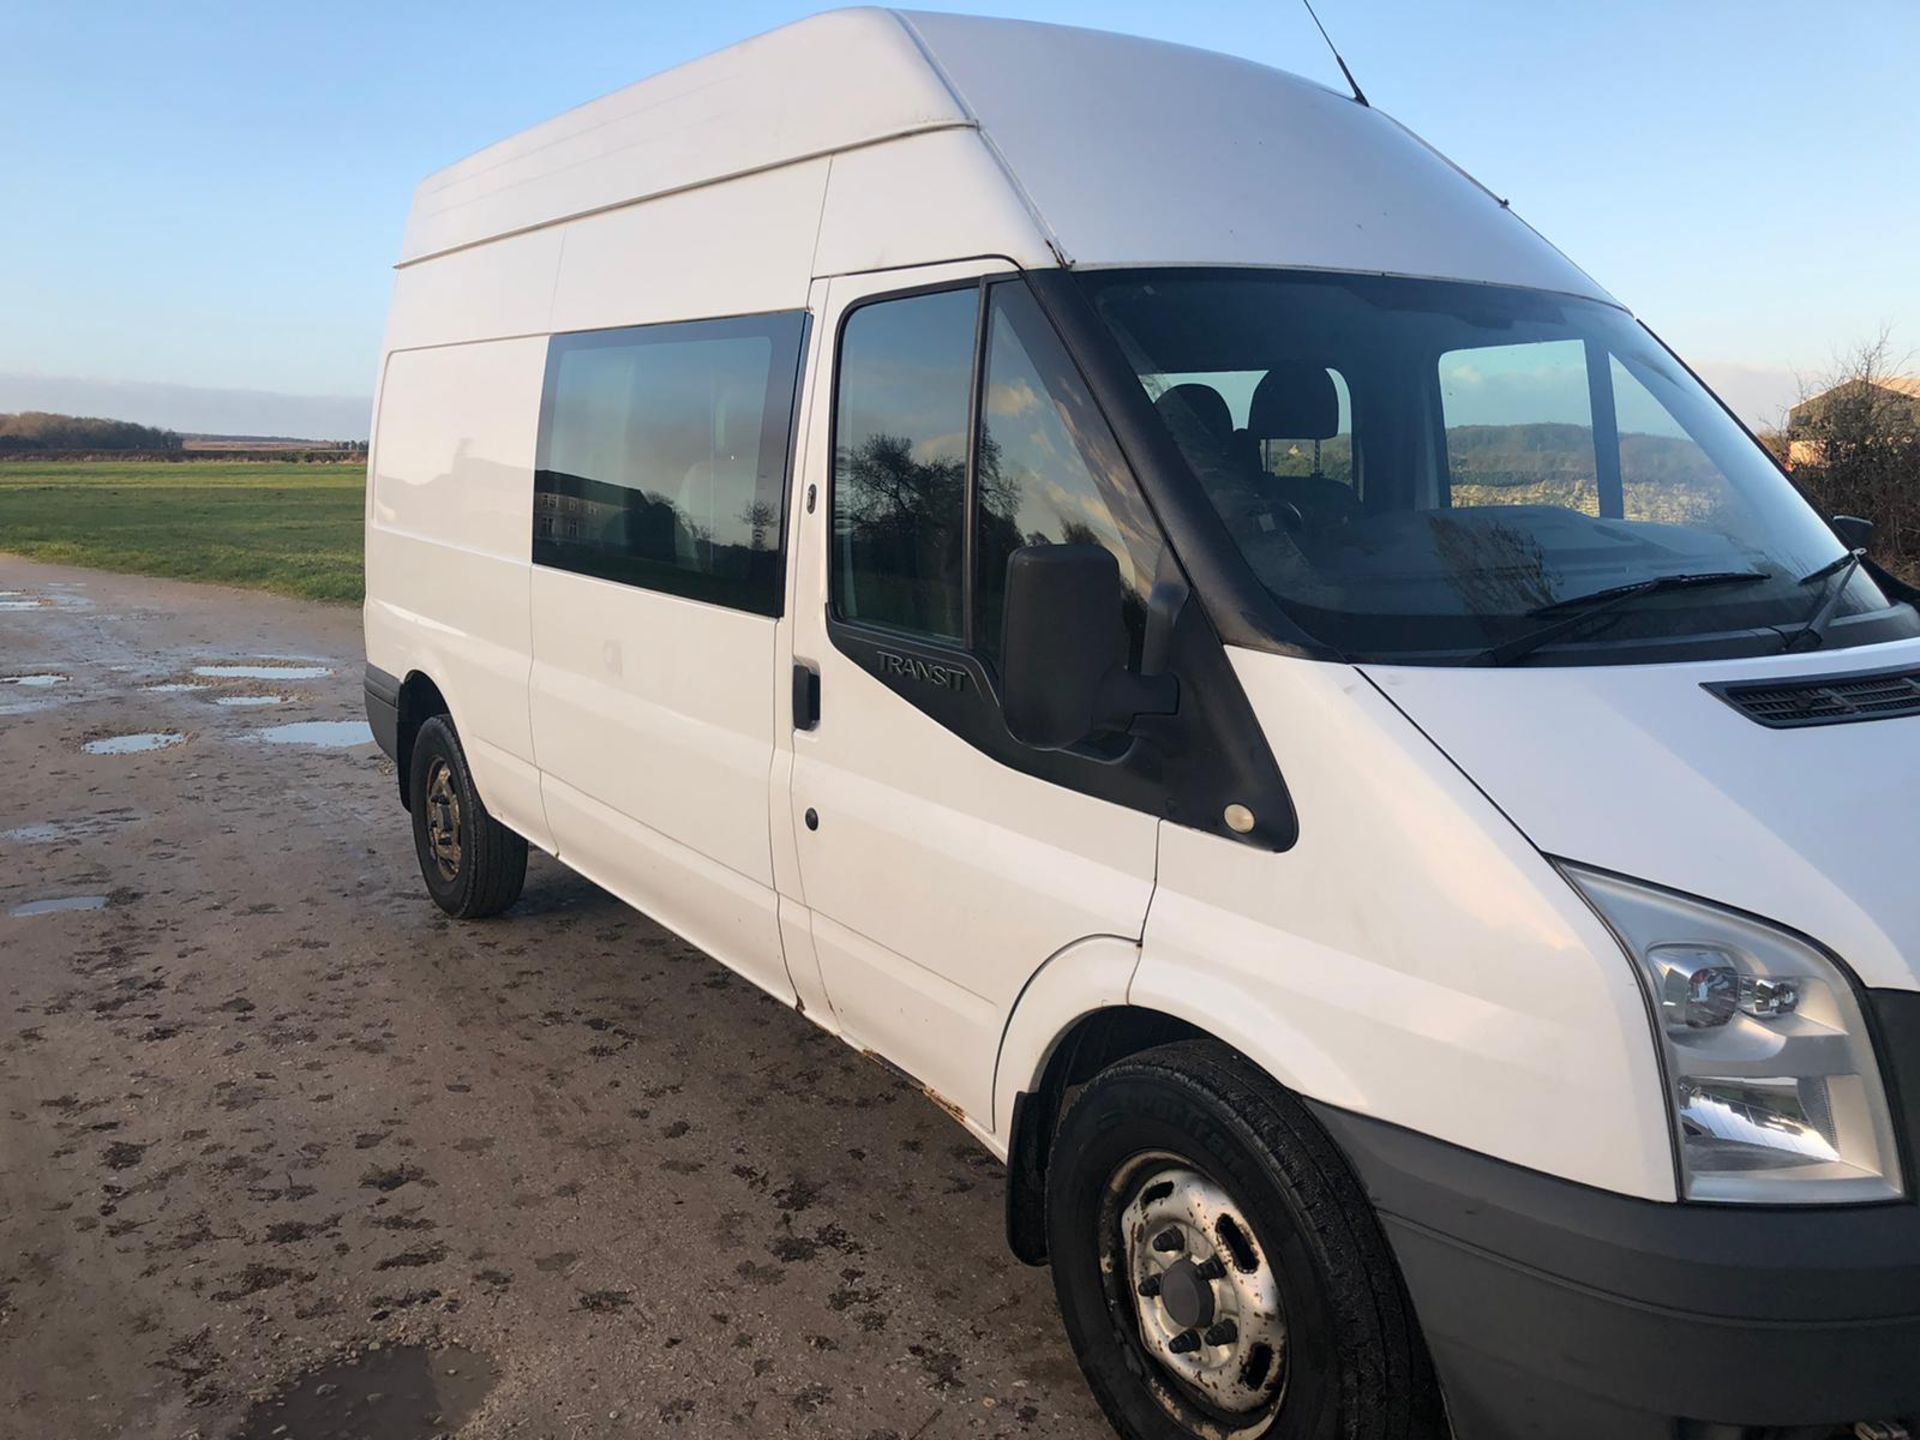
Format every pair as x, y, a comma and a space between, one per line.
265, 1107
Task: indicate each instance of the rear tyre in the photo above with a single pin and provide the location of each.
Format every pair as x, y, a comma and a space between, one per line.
1219, 1269
473, 865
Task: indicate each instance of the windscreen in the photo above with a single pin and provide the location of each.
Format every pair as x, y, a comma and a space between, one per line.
1425, 471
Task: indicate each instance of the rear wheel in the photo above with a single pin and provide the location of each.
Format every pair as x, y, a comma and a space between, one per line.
473, 865
1219, 1269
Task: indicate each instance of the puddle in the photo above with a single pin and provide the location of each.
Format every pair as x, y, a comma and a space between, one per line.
264, 672
132, 744
247, 702
35, 681
35, 834
54, 907
44, 832
330, 734
400, 1392
173, 687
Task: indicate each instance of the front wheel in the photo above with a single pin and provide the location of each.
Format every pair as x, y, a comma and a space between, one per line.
1220, 1271
473, 865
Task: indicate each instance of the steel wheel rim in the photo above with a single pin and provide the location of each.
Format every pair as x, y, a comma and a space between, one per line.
443, 819
1201, 1292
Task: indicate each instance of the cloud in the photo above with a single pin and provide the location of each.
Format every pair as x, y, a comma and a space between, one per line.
192, 409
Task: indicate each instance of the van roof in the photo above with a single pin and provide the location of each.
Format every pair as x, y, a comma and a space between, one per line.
1120, 150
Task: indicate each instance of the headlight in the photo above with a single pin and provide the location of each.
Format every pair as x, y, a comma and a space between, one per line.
1776, 1094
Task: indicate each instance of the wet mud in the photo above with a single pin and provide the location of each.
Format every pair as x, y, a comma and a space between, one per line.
266, 1109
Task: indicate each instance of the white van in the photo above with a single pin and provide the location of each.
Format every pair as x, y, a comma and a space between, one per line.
1123, 584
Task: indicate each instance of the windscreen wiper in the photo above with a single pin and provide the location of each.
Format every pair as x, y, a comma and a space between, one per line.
1590, 607
1813, 634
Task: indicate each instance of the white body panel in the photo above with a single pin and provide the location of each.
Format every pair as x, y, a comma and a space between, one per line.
1137, 152
939, 880
1037, 142
1639, 770
1411, 958
450, 525
654, 717
831, 83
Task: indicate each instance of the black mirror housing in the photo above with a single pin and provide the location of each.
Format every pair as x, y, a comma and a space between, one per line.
1063, 651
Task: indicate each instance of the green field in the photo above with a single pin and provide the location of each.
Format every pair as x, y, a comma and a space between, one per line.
289, 528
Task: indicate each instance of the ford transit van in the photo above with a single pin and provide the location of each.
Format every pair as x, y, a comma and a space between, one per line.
1122, 583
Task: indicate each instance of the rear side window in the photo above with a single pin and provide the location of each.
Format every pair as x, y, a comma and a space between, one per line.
663, 457
900, 463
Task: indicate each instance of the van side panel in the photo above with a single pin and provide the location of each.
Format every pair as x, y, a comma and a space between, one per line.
737, 248
920, 201
654, 713
661, 708
448, 539
842, 79
490, 292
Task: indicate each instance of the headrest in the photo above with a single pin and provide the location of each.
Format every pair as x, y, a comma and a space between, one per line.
1294, 402
1192, 406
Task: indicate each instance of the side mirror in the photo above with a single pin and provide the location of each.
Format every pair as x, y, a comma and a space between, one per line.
1064, 648
1854, 532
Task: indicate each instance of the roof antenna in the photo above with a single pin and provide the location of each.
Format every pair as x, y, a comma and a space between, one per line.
1358, 93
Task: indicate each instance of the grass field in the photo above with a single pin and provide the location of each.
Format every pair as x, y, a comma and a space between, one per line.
292, 529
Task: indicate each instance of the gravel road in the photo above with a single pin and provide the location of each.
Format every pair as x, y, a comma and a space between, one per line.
281, 1146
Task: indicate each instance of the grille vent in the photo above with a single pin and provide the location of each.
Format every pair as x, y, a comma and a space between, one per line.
1826, 699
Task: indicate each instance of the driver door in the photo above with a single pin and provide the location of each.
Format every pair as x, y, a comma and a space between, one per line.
939, 866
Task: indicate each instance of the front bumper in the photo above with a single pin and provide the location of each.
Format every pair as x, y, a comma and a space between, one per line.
1553, 1309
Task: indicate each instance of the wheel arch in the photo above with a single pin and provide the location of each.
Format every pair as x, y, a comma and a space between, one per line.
1089, 1042
420, 700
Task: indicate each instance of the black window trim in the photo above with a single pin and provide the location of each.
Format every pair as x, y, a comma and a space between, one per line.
695, 587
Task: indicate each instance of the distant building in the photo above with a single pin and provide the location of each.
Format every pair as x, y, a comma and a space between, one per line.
1897, 394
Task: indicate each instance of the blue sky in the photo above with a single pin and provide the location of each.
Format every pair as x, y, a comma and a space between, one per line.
210, 193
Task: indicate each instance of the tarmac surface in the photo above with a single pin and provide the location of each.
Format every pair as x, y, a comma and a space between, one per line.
285, 1152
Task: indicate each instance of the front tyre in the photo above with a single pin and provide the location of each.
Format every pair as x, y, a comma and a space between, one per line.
1219, 1269
473, 865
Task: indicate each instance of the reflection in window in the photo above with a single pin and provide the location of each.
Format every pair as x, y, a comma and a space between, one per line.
1519, 424
900, 463
1049, 470
663, 453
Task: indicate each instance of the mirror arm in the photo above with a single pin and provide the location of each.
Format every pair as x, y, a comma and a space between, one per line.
1125, 696
1164, 604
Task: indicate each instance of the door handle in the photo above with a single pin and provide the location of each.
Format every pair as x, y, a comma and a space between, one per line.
806, 696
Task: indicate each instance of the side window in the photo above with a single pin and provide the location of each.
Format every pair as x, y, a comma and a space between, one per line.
663, 456
1049, 471
902, 396
1519, 425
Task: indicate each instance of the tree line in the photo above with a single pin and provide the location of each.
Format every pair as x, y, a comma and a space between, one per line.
39, 430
